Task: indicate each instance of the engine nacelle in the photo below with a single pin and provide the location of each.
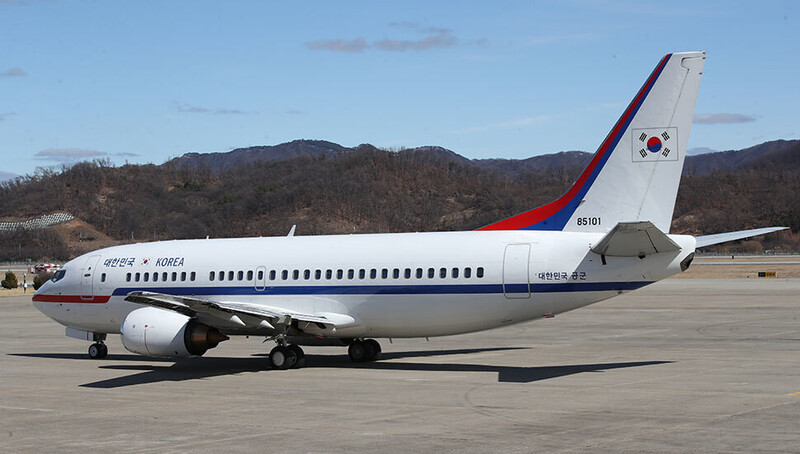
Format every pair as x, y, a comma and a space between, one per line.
152, 331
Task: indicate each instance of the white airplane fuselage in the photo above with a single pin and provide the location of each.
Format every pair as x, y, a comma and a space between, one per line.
392, 285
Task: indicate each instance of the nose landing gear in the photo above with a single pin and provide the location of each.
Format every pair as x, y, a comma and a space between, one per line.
98, 350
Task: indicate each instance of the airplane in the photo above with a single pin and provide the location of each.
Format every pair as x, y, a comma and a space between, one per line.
608, 235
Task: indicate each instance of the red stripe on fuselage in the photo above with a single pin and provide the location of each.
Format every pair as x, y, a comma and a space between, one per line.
99, 299
543, 212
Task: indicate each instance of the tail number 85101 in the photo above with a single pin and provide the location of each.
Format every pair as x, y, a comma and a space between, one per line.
588, 221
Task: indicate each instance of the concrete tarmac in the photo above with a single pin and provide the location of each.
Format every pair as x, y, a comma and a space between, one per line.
681, 366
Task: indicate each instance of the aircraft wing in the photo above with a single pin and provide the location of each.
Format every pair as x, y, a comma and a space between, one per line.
634, 239
238, 313
708, 240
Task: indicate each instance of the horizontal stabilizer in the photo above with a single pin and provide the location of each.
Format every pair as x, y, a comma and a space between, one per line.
708, 240
634, 239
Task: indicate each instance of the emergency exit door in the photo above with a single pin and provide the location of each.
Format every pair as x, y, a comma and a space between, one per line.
516, 281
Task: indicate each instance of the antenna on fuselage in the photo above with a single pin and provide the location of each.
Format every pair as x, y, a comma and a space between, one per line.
291, 232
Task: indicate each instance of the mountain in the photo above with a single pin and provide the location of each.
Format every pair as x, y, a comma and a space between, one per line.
723, 161
246, 156
325, 188
565, 162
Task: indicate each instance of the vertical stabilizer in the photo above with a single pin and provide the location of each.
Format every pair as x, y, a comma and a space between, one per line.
635, 173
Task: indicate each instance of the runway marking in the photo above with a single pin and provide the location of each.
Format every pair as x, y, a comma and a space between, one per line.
795, 394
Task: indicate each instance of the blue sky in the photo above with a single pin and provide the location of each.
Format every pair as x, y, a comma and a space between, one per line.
142, 81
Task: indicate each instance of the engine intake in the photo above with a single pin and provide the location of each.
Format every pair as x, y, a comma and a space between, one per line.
155, 332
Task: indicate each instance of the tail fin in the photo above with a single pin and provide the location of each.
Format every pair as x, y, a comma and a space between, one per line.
635, 173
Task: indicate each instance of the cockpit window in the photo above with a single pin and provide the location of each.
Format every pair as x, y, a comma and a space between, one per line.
59, 275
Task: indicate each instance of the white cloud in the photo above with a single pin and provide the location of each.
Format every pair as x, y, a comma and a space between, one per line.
188, 108
14, 72
339, 45
505, 124
7, 115
722, 118
436, 38
5, 176
67, 154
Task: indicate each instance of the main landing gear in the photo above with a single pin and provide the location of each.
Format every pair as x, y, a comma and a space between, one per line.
290, 356
287, 356
98, 350
364, 350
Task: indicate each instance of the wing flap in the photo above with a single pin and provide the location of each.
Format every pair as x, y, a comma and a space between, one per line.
238, 313
634, 239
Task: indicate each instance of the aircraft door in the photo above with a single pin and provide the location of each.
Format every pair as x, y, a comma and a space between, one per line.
516, 281
87, 277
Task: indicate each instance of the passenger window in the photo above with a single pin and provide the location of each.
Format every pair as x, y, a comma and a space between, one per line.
164, 276
272, 275
350, 274
146, 277
183, 276
384, 273
431, 273
128, 277
295, 275
443, 273
328, 274
103, 277
240, 275
454, 273
419, 273
307, 274
479, 271
192, 276
317, 274
285, 274
155, 277
362, 273
396, 273
467, 272
250, 275
408, 273
260, 274
136, 277
373, 273
221, 275
211, 276
230, 276
339, 274
174, 276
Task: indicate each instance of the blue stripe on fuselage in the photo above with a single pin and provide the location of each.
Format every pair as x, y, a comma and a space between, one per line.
444, 289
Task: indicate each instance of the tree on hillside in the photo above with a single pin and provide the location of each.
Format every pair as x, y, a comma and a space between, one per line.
40, 279
10, 281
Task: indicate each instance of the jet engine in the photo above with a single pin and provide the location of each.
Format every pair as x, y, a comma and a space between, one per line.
155, 332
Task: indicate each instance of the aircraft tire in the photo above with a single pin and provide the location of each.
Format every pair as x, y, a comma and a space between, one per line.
282, 358
374, 348
103, 350
357, 352
96, 351
300, 356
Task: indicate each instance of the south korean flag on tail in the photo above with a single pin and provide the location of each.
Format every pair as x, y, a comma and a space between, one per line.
654, 144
